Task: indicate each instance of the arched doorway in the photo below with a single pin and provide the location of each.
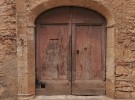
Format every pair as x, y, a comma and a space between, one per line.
70, 52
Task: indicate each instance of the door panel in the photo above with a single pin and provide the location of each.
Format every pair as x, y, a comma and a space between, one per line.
88, 71
96, 53
53, 58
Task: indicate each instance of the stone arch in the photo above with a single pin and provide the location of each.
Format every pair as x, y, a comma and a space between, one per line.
97, 6
34, 11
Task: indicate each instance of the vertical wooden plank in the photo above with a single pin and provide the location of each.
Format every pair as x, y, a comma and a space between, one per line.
104, 44
38, 61
96, 53
83, 52
73, 53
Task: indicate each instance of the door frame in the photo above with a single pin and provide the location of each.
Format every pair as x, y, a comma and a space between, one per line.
26, 79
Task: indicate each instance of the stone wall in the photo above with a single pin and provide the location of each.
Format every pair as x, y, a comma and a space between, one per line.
8, 68
15, 37
125, 48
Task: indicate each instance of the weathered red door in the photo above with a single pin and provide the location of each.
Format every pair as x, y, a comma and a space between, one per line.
70, 52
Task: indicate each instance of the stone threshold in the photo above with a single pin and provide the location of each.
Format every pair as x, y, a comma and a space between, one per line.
72, 97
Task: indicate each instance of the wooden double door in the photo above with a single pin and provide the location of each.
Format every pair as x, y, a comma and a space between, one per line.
70, 52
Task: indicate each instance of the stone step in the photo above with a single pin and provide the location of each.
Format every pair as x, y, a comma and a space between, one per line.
71, 97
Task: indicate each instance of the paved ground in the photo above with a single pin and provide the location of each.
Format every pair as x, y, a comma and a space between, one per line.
71, 97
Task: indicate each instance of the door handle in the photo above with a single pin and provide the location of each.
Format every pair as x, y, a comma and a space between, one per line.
77, 51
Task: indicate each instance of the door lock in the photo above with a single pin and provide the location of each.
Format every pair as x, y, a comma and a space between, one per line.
77, 51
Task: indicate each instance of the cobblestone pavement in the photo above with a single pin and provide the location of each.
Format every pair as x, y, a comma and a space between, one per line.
71, 97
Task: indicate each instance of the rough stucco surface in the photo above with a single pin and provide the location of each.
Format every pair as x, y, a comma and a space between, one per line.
8, 70
123, 12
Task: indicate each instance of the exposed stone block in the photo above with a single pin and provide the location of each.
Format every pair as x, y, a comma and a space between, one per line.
121, 95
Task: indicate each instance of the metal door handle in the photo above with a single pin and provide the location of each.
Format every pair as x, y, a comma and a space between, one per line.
77, 51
